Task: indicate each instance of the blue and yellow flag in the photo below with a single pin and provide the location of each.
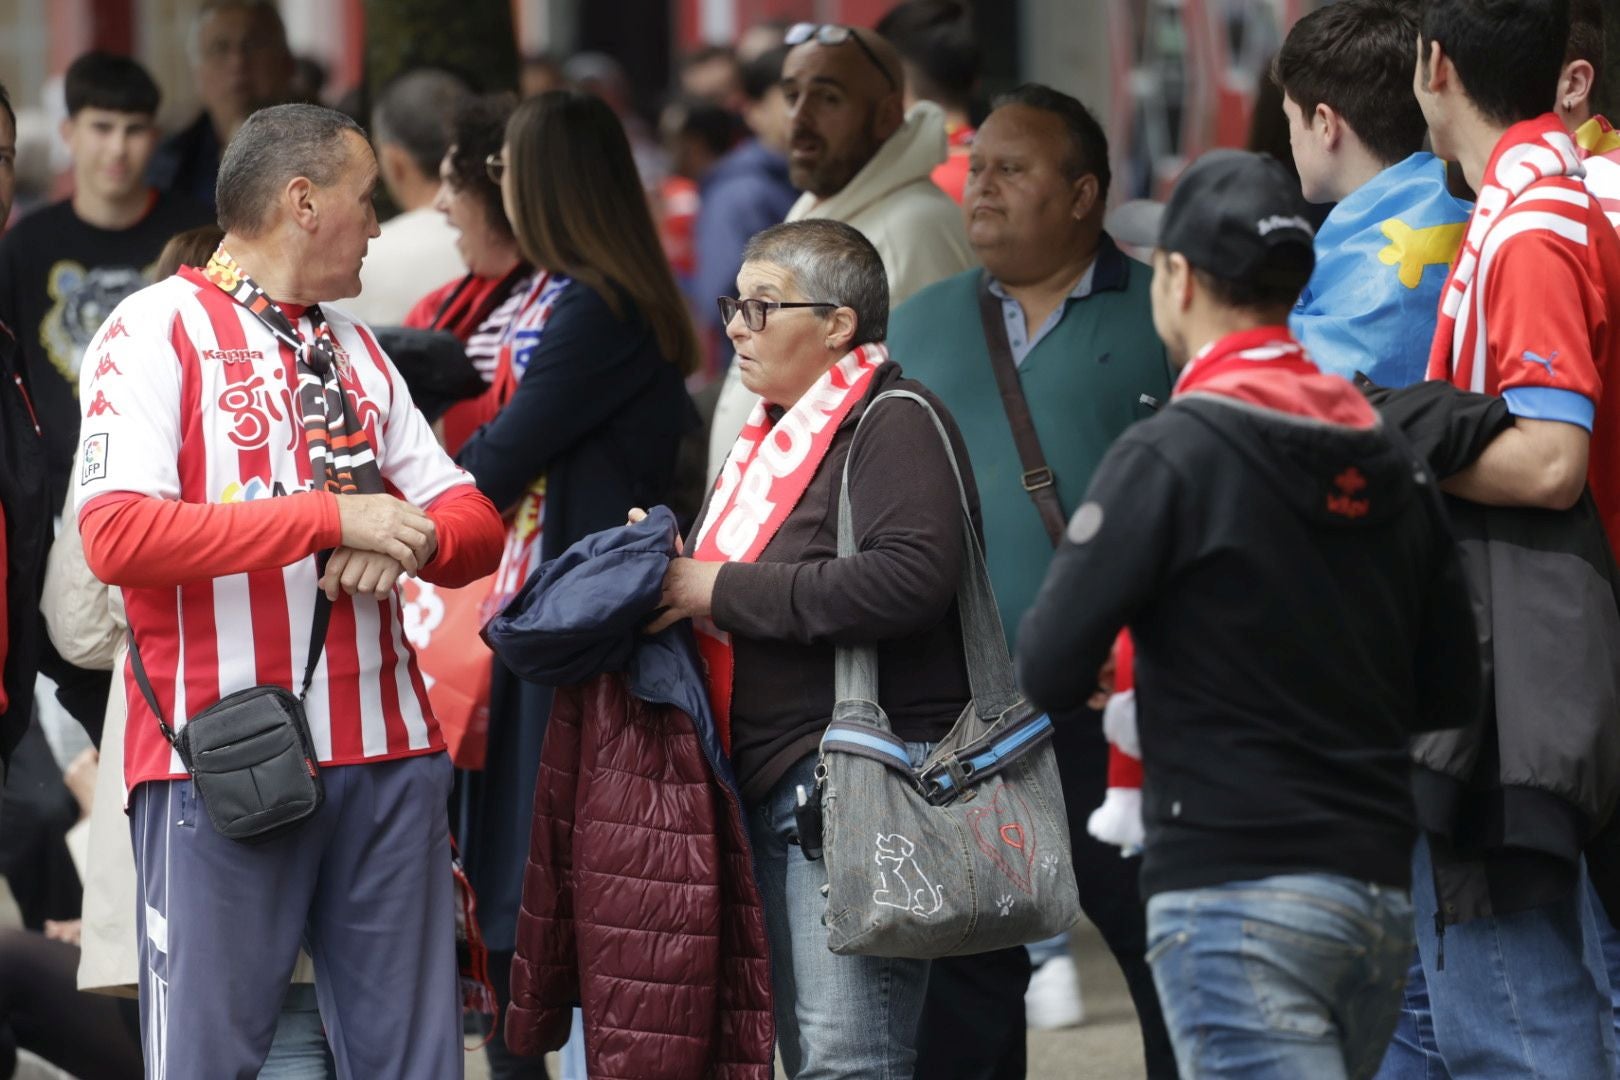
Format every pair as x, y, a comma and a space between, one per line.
1381, 262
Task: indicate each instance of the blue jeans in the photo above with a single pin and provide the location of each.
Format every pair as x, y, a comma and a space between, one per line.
1521, 995
299, 1050
1291, 976
836, 1016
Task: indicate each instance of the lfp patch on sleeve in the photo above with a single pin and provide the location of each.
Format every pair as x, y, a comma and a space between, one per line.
95, 458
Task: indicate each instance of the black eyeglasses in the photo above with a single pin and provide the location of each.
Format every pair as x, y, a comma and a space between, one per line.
753, 311
495, 168
833, 34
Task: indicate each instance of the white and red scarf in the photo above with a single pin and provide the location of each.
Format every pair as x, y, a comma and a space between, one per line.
523, 531
765, 475
1525, 168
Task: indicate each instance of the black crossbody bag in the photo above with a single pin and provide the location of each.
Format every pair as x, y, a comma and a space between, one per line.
250, 755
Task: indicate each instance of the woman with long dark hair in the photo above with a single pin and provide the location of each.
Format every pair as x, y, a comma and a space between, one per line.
591, 371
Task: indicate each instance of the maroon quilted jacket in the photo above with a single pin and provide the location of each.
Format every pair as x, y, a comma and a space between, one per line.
639, 901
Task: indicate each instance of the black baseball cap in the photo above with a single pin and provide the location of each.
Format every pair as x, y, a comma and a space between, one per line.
1240, 216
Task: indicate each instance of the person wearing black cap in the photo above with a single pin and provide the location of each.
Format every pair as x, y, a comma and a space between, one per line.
1299, 611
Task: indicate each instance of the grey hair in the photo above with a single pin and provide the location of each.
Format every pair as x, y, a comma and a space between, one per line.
273, 147
264, 8
417, 111
830, 261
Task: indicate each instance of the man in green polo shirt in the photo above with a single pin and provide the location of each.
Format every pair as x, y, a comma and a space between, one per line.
1073, 323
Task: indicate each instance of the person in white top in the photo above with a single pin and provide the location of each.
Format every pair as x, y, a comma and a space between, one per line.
862, 159
411, 128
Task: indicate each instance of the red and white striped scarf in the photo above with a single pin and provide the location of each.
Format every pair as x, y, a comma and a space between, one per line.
1533, 183
522, 552
765, 475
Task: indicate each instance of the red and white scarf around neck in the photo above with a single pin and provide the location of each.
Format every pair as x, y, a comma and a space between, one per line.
765, 475
1536, 162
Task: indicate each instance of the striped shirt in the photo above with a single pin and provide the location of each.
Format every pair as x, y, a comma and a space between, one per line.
1538, 323
187, 396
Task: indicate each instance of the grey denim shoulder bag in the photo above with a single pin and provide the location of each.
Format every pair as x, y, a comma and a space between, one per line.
970, 851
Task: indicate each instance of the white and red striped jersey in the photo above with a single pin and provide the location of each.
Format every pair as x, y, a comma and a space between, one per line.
187, 396
1531, 311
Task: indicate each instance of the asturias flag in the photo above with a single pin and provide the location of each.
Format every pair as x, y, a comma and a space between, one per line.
1381, 261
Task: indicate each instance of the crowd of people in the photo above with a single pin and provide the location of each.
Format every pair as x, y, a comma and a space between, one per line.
465, 614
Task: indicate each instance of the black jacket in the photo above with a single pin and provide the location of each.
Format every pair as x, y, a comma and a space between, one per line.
1298, 612
1512, 799
28, 512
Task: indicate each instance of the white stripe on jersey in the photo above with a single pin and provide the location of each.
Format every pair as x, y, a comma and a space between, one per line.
410, 706
368, 631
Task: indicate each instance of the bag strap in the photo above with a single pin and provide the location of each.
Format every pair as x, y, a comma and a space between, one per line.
990, 670
1038, 478
317, 644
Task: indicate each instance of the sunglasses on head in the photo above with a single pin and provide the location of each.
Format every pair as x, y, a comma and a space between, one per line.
833, 34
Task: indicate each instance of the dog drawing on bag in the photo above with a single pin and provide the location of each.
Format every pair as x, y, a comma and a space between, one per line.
910, 889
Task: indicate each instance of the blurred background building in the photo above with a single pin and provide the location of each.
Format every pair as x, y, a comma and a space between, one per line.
1169, 78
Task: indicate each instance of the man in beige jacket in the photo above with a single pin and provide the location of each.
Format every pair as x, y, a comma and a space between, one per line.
860, 158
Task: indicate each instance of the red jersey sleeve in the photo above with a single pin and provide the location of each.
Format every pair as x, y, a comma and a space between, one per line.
1543, 312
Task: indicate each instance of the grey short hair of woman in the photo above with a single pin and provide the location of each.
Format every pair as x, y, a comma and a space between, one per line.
272, 148
830, 261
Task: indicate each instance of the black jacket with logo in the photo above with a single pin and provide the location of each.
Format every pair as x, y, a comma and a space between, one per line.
1298, 611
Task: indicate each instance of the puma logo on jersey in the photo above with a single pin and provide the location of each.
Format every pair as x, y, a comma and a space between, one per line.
1544, 361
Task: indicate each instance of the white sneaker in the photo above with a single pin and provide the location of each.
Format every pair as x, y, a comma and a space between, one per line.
1053, 997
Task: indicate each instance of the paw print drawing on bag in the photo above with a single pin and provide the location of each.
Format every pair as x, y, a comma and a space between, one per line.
1004, 904
1049, 864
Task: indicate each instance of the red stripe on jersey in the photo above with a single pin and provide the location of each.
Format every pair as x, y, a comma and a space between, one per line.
343, 683
193, 460
146, 751
399, 739
435, 737
202, 645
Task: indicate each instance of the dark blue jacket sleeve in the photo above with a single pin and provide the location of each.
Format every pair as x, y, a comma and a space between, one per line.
1113, 558
732, 211
588, 363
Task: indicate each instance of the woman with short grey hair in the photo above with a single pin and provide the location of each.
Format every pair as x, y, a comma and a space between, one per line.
771, 601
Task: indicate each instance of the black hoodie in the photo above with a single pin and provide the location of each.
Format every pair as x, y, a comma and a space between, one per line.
1298, 611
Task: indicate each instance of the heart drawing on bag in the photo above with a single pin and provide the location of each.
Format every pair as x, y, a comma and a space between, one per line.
1002, 832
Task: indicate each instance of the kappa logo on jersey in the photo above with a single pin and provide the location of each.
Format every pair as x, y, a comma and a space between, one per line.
105, 366
252, 406
233, 356
101, 405
95, 458
116, 330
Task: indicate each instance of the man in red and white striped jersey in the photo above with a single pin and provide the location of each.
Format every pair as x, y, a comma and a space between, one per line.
1531, 313
232, 430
